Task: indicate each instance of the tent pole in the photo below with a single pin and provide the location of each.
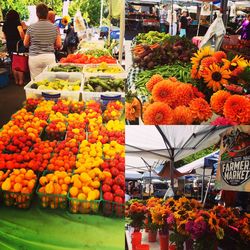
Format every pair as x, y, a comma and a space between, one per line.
172, 169
101, 14
199, 24
110, 18
205, 198
150, 181
202, 187
122, 30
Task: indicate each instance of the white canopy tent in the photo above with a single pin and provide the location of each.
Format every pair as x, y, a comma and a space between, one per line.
132, 175
168, 143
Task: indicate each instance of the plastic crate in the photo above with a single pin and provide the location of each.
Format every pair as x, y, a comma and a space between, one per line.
113, 209
86, 96
55, 94
4, 78
121, 74
49, 67
83, 206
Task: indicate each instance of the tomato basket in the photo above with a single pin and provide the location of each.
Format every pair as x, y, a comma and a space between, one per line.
77, 206
20, 200
52, 201
113, 209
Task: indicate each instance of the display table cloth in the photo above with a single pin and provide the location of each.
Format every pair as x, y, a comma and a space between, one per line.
37, 228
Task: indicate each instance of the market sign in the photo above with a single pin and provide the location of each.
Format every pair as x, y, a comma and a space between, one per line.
234, 162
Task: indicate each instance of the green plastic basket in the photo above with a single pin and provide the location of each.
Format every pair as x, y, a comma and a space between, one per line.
52, 201
77, 206
113, 209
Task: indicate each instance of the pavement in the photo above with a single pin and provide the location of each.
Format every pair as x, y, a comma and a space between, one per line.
11, 99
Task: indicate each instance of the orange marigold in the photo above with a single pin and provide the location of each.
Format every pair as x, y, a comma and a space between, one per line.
158, 113
153, 80
218, 100
237, 109
165, 91
219, 55
184, 94
132, 110
207, 61
182, 116
200, 109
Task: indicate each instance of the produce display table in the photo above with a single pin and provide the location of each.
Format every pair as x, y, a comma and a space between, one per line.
152, 245
37, 228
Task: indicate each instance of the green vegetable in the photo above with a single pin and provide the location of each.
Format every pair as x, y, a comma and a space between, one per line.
66, 68
98, 84
178, 70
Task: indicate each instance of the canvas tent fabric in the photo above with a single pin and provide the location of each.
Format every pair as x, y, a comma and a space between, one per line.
169, 143
132, 175
148, 143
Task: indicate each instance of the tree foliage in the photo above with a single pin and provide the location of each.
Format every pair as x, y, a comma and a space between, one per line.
194, 157
21, 6
90, 9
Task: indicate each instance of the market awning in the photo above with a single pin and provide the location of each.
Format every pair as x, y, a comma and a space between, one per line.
168, 143
132, 175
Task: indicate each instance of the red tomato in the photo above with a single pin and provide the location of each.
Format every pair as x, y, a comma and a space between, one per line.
119, 193
108, 181
108, 196
114, 171
115, 187
106, 188
118, 199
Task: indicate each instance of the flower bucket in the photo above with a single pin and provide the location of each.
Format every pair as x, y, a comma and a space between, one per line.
136, 239
142, 247
189, 244
152, 236
164, 241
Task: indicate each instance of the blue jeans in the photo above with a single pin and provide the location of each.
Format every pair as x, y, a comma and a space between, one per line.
183, 32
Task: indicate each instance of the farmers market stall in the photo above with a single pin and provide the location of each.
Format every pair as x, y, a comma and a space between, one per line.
62, 156
171, 82
183, 223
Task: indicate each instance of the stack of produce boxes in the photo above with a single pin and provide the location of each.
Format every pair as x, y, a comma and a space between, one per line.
63, 146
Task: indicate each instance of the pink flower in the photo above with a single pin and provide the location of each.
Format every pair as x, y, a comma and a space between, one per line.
222, 121
170, 219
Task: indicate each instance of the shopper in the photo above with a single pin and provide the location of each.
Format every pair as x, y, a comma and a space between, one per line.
71, 40
14, 35
183, 24
42, 38
245, 29
163, 18
51, 16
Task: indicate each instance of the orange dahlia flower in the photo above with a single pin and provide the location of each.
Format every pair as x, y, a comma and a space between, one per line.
207, 61
182, 116
218, 100
184, 94
200, 109
219, 55
165, 91
153, 80
158, 113
237, 109
132, 110
215, 76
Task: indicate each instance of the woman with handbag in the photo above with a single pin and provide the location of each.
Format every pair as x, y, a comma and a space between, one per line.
14, 35
42, 38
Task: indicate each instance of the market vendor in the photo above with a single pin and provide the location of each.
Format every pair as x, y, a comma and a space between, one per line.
245, 29
42, 38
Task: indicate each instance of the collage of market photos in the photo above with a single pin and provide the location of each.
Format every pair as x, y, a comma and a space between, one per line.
124, 125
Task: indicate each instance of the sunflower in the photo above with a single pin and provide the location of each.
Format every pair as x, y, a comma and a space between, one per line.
181, 228
195, 73
200, 109
164, 91
207, 61
203, 52
236, 65
213, 222
219, 55
237, 109
215, 76
184, 94
158, 113
218, 100
152, 81
65, 20
132, 109
170, 202
182, 116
